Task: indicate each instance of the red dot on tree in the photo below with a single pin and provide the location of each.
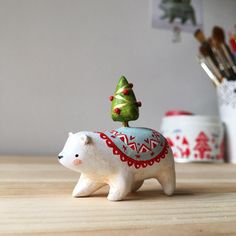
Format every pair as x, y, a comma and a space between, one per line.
139, 104
125, 91
117, 111
111, 98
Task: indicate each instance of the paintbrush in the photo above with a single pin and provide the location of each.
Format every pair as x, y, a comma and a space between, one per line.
204, 50
206, 67
224, 65
199, 35
214, 69
218, 37
207, 58
219, 57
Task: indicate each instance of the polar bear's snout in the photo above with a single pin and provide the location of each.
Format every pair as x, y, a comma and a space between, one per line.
60, 156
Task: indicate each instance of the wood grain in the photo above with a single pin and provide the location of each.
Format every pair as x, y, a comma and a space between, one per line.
35, 199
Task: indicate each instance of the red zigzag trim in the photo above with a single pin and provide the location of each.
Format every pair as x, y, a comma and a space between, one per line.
137, 163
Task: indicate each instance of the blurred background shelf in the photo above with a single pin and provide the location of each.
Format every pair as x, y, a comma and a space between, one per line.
35, 199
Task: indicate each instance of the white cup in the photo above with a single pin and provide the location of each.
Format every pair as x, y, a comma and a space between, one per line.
227, 108
194, 138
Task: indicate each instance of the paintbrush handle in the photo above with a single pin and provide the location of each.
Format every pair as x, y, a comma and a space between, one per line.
229, 56
210, 53
213, 68
220, 59
208, 66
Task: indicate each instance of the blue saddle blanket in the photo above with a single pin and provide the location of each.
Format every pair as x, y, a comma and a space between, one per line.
139, 147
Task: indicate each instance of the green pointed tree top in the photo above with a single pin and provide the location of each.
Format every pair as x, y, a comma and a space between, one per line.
123, 82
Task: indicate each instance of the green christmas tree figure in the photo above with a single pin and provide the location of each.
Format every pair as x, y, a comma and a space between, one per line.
124, 104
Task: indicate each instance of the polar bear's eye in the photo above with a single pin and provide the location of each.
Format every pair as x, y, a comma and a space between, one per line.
76, 155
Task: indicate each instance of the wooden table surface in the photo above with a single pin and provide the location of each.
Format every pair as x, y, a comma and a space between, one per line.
35, 199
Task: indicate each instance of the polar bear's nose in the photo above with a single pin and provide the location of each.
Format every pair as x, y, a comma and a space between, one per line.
59, 157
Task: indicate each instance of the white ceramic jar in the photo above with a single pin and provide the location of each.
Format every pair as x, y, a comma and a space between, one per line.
227, 107
194, 138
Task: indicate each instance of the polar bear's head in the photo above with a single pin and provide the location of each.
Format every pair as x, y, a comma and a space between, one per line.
75, 154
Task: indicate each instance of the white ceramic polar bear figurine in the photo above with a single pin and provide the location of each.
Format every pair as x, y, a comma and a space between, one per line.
121, 158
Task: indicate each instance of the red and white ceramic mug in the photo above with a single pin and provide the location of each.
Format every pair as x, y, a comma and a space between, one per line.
194, 138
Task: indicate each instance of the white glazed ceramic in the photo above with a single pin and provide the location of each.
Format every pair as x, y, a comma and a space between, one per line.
194, 138
101, 162
227, 107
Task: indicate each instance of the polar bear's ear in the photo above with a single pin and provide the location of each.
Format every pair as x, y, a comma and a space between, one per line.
70, 133
85, 139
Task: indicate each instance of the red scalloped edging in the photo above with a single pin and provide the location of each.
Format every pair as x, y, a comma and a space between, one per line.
137, 163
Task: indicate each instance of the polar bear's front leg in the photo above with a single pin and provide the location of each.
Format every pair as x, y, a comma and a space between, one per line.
120, 186
86, 186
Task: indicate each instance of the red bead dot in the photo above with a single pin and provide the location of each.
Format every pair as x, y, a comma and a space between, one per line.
125, 91
139, 104
111, 98
117, 111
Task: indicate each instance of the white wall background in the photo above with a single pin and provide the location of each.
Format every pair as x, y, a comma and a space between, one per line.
61, 59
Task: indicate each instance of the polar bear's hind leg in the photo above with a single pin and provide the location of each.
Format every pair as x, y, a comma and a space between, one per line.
167, 180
